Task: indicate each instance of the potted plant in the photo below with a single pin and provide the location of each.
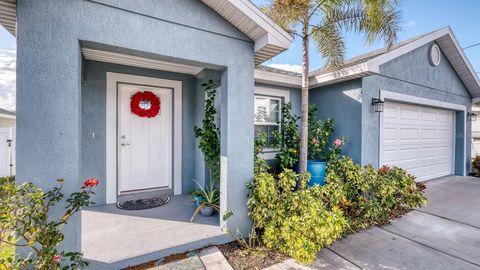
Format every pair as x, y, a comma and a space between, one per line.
210, 202
319, 133
198, 197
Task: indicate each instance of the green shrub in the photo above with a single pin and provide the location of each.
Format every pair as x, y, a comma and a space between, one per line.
25, 209
319, 133
293, 220
287, 140
260, 164
367, 196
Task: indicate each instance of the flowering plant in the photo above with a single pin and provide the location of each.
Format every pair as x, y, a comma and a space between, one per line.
319, 133
25, 211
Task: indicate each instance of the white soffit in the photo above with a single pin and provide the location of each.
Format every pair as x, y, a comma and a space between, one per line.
344, 74
136, 61
8, 15
270, 39
274, 78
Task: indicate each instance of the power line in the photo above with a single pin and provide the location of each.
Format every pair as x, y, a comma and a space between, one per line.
474, 45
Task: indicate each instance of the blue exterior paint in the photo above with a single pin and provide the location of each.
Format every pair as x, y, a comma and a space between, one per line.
412, 74
335, 101
49, 70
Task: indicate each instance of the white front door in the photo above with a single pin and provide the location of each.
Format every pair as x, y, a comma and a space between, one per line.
419, 139
144, 144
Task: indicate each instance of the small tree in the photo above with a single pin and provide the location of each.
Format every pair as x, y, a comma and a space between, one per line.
209, 133
324, 21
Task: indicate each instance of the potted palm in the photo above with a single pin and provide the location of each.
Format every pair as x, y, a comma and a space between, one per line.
210, 200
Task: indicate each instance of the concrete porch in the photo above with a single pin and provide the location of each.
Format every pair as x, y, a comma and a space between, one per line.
113, 238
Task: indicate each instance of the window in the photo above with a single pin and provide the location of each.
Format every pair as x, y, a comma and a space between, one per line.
268, 107
267, 116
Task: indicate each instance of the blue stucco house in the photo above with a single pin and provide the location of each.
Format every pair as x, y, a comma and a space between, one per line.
79, 61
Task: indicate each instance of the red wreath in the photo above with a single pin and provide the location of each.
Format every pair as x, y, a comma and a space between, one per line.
145, 96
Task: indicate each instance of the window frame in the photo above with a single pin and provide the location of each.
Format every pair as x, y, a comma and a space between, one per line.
284, 97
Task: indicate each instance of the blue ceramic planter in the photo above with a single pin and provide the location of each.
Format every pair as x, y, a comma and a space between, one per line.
198, 200
317, 169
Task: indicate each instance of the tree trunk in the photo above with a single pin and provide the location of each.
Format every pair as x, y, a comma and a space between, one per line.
304, 119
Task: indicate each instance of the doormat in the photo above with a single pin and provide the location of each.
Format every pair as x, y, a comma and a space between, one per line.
142, 204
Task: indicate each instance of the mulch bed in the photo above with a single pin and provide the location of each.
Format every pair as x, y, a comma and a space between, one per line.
259, 258
151, 264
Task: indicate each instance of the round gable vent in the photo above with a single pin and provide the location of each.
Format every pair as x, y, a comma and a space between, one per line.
435, 55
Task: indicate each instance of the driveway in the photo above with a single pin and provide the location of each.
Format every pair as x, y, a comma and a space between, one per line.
443, 235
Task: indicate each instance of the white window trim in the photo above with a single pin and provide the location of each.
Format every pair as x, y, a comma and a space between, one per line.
111, 128
397, 97
269, 153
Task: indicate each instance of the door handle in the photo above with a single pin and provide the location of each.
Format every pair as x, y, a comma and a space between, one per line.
124, 144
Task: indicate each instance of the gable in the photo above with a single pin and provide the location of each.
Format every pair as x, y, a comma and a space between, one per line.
192, 13
415, 67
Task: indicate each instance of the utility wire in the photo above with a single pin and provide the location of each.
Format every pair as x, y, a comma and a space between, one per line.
471, 46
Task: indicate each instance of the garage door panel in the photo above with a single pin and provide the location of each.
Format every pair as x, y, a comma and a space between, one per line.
418, 139
429, 133
408, 134
390, 134
429, 116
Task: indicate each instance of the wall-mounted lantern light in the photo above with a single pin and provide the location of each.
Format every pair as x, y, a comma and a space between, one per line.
472, 116
377, 105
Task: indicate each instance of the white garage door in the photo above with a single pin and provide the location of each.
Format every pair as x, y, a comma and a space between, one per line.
418, 139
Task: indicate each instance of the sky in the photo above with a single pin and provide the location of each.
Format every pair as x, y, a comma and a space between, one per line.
418, 17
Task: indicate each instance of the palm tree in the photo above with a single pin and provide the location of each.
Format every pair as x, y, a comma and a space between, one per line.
324, 22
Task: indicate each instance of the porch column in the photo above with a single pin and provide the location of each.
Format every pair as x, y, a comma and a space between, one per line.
237, 139
48, 101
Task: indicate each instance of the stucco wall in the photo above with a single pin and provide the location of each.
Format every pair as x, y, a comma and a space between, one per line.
49, 67
412, 74
342, 102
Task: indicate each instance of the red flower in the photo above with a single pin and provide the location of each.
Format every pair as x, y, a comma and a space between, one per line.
56, 258
91, 182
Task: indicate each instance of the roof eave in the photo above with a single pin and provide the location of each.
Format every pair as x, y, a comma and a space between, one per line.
269, 38
8, 15
450, 47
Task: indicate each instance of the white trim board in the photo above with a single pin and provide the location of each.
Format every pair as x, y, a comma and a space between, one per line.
402, 98
111, 128
136, 61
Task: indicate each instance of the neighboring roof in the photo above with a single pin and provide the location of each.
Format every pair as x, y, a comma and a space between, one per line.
6, 114
369, 63
270, 39
8, 15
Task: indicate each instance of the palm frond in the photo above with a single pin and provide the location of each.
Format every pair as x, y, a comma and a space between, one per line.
330, 45
377, 19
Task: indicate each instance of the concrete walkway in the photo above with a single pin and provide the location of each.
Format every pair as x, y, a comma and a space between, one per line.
443, 235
